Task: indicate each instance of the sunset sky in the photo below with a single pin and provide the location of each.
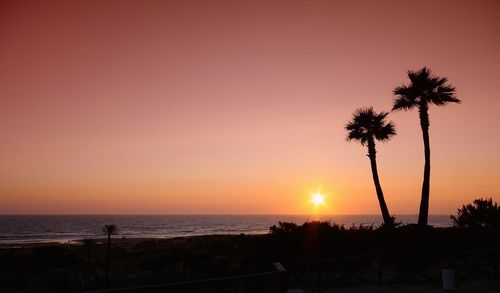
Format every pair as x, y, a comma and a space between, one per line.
238, 107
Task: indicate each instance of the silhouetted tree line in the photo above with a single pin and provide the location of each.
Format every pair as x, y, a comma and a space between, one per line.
291, 242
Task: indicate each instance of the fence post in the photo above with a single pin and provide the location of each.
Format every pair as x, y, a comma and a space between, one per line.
283, 277
496, 264
380, 269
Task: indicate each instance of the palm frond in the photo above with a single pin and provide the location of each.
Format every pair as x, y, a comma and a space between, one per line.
367, 125
423, 88
406, 98
443, 95
386, 132
110, 229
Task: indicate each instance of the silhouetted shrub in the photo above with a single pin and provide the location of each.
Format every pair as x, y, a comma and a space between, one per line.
323, 227
481, 213
283, 228
390, 225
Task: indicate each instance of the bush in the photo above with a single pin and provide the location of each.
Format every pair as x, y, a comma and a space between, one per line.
283, 228
287, 228
481, 213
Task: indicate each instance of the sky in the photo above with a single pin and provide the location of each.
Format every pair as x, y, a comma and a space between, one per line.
238, 107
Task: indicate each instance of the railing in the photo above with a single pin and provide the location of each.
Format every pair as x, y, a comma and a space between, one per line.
319, 274
267, 282
393, 268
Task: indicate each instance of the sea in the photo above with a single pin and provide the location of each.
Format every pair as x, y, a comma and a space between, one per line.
69, 228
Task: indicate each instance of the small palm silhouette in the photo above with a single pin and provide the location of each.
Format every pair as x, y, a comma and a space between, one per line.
424, 89
366, 127
109, 230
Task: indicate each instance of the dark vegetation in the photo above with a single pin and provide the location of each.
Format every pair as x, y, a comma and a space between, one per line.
325, 240
67, 268
71, 268
480, 214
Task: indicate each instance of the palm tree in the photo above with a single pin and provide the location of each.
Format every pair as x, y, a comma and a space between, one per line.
424, 89
109, 230
366, 127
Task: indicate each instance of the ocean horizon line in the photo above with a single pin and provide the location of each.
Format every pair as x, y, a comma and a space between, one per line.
222, 215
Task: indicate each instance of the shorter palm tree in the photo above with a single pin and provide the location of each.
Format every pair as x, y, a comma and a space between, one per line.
109, 230
366, 127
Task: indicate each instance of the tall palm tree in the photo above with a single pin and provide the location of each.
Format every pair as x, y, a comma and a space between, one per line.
366, 127
422, 90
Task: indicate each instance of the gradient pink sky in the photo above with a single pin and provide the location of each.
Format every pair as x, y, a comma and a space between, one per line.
238, 106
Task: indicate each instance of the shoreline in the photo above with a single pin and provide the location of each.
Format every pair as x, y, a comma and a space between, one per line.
22, 230
115, 240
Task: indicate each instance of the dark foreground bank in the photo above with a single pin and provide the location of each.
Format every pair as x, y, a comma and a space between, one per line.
315, 255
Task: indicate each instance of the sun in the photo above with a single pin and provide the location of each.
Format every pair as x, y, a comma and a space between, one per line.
317, 199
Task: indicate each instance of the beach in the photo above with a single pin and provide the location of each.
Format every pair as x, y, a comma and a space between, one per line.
134, 261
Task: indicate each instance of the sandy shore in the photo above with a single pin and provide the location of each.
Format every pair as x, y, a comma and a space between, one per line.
116, 240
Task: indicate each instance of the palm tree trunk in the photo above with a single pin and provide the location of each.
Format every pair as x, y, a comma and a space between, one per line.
108, 262
423, 214
380, 195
